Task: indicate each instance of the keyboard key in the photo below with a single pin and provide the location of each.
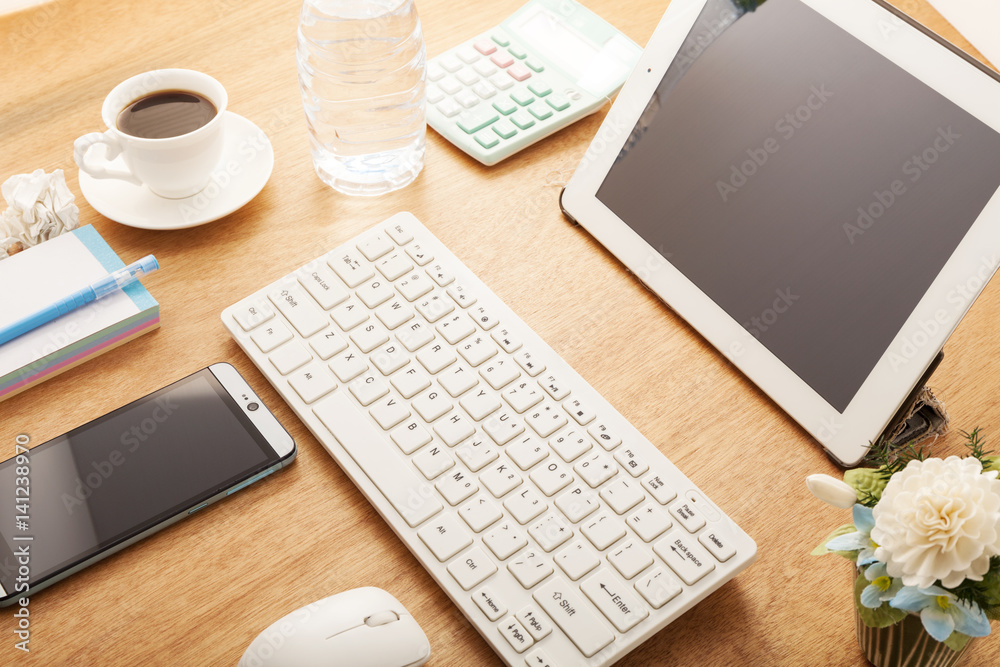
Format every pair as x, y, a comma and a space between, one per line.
501, 80
398, 232
324, 286
431, 405
454, 429
456, 487
614, 600
603, 530
433, 461
507, 341
449, 108
563, 605
557, 102
539, 88
522, 96
596, 469
467, 76
571, 445
480, 404
659, 489
649, 522
528, 362
504, 128
516, 635
348, 365
522, 119
271, 336
688, 516
539, 110
410, 437
477, 350
578, 503
550, 532
368, 389
253, 315
502, 59
622, 494
471, 122
551, 477
519, 72
719, 543
457, 380
410, 382
349, 314
395, 265
630, 559
500, 38
472, 568
299, 309
375, 292
485, 47
476, 453
500, 373
534, 65
534, 622
351, 267
526, 452
414, 286
487, 139
522, 395
546, 420
394, 313
435, 358
455, 327
631, 461
461, 295
312, 382
500, 479
604, 435
554, 387
441, 275
415, 336
489, 602
484, 90
658, 588
444, 536
529, 568
435, 307
525, 505
368, 337
480, 513
502, 427
577, 560
517, 51
685, 556
579, 411
411, 497
467, 99
389, 411
485, 68
505, 540
375, 246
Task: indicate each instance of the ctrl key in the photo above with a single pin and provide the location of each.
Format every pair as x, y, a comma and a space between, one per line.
472, 568
564, 606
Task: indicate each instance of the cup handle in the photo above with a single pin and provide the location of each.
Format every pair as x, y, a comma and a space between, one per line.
98, 168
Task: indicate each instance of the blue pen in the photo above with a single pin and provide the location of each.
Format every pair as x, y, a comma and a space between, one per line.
109, 284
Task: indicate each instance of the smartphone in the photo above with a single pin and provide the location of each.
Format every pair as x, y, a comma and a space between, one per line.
87, 494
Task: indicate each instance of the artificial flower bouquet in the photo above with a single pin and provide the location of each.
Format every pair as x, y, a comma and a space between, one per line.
925, 539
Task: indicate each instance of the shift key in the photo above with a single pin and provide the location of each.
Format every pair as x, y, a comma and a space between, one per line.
300, 309
560, 601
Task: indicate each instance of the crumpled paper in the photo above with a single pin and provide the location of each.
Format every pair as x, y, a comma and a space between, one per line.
39, 207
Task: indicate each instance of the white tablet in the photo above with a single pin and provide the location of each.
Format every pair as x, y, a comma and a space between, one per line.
814, 188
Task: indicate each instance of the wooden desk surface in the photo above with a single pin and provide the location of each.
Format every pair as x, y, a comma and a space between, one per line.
199, 592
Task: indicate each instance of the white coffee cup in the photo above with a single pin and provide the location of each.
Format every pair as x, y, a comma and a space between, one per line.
173, 167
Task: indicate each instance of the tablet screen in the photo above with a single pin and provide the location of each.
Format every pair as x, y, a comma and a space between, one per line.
806, 184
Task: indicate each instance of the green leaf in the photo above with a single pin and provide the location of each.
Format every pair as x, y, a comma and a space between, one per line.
866, 481
875, 618
956, 641
992, 613
821, 550
991, 463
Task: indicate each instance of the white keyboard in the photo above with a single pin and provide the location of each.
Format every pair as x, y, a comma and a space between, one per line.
563, 535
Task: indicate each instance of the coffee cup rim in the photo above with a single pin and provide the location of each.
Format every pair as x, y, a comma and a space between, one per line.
152, 81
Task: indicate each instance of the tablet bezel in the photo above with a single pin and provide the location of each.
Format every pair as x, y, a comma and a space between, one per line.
846, 436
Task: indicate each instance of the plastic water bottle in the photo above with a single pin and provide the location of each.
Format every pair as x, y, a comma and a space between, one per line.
361, 72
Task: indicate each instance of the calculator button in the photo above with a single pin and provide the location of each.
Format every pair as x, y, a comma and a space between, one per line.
485, 68
517, 51
504, 128
434, 94
505, 106
519, 72
468, 55
487, 139
501, 59
467, 76
501, 80
472, 121
450, 85
500, 39
540, 88
467, 99
535, 65
451, 63
484, 90
557, 102
449, 108
522, 119
522, 97
540, 111
484, 46
435, 72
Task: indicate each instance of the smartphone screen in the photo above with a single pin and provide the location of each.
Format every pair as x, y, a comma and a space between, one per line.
125, 472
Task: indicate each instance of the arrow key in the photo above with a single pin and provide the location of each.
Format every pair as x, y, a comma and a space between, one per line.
488, 601
538, 658
515, 634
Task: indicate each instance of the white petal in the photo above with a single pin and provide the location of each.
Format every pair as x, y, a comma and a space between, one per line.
832, 491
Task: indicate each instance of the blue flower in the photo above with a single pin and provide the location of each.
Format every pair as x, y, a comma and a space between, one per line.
882, 588
942, 612
860, 541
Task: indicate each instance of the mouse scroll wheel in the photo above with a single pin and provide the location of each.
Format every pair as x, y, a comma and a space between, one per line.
381, 618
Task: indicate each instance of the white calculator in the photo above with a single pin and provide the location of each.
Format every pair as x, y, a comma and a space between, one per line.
551, 63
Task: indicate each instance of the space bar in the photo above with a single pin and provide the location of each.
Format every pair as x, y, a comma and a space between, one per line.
412, 497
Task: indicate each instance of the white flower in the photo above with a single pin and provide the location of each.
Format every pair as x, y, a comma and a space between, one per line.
939, 520
832, 491
40, 207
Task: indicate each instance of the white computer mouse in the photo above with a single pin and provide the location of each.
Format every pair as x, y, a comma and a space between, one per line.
364, 627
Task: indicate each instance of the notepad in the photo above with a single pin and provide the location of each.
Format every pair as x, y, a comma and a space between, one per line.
47, 272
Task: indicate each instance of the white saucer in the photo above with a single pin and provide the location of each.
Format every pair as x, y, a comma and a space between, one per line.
247, 160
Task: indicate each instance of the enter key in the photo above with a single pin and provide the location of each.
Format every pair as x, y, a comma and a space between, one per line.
614, 600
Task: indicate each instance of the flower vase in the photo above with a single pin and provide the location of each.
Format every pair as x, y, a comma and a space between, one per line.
904, 644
